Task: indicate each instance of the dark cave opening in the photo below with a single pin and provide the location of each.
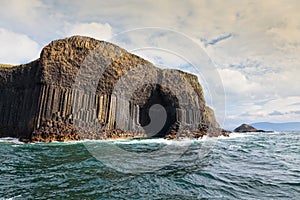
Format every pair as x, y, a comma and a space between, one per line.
158, 113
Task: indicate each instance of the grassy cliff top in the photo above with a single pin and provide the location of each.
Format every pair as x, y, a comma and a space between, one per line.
6, 66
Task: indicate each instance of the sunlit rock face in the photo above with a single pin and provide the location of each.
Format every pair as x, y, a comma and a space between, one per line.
79, 81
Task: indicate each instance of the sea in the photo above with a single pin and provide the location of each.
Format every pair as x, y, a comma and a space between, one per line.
242, 166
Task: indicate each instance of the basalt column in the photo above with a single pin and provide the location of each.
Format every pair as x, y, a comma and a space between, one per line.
40, 95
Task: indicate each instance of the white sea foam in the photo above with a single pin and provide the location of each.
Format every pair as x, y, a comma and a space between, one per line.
275, 132
143, 141
10, 140
234, 147
12, 198
183, 141
238, 135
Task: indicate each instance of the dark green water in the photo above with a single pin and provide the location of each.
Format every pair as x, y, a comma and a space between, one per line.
249, 166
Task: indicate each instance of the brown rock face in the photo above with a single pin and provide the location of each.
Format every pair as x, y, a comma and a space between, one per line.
45, 101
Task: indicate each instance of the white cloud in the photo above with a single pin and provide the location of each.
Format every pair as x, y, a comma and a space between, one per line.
17, 48
253, 97
277, 110
257, 54
22, 12
93, 29
236, 83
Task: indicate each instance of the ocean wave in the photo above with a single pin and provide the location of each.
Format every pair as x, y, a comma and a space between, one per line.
182, 141
12, 198
252, 166
275, 132
239, 135
151, 141
10, 140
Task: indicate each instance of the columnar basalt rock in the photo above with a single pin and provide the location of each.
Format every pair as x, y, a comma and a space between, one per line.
37, 99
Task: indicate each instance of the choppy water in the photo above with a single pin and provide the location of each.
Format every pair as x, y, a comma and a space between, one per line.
244, 166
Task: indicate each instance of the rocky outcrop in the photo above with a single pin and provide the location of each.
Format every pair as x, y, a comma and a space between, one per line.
45, 101
247, 128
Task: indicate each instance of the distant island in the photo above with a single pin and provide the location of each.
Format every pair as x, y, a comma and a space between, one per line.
247, 128
287, 126
37, 99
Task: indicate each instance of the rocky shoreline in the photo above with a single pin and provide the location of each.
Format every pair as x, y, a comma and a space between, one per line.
64, 132
61, 131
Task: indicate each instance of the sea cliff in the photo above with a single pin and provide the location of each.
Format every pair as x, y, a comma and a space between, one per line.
37, 99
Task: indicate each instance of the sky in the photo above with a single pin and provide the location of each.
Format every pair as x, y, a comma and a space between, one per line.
254, 45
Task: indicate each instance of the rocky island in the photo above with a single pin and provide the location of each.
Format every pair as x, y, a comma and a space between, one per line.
38, 99
247, 128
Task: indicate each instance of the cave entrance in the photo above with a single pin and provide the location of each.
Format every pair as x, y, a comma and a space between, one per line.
158, 114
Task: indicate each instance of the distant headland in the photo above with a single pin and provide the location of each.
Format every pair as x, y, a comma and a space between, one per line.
37, 99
